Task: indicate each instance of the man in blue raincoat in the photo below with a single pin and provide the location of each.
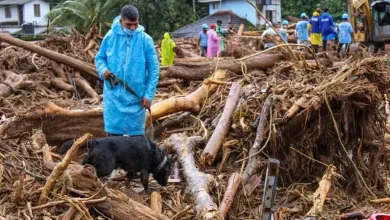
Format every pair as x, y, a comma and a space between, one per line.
127, 53
327, 28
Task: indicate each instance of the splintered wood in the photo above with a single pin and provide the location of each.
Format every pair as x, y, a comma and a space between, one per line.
322, 191
61, 167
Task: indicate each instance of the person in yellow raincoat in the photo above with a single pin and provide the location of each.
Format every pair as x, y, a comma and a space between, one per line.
315, 27
167, 53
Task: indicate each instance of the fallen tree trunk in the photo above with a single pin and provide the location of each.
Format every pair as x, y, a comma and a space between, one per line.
53, 55
231, 189
182, 53
198, 183
220, 132
322, 191
61, 84
260, 62
83, 84
239, 52
188, 73
191, 102
253, 162
192, 59
167, 82
57, 123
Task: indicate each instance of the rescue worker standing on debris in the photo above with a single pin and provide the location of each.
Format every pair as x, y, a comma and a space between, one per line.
268, 32
213, 45
203, 38
345, 34
167, 53
127, 53
315, 27
327, 30
301, 30
284, 31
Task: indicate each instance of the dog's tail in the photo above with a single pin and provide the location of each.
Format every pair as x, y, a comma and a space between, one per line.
67, 145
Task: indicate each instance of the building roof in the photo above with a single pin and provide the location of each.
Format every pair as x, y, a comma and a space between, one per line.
192, 30
14, 2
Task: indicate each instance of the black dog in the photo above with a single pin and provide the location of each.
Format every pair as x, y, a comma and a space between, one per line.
133, 154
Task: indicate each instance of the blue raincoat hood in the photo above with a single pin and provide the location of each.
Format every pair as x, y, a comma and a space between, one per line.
118, 29
326, 24
133, 59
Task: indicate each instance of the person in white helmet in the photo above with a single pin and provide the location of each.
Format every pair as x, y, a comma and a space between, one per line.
203, 39
301, 30
268, 32
345, 34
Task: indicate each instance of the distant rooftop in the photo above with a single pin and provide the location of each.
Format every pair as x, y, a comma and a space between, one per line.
14, 2
192, 30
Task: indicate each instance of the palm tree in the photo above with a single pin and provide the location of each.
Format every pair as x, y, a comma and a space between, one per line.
81, 13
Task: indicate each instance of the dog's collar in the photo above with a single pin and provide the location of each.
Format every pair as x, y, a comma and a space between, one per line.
163, 162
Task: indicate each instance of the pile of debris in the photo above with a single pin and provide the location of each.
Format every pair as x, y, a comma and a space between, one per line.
220, 120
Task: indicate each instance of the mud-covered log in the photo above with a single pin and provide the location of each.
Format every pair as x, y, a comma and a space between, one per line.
182, 53
83, 84
220, 132
53, 55
189, 73
61, 84
260, 62
239, 52
57, 123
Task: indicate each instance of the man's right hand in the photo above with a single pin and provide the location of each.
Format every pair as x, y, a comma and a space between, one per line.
107, 74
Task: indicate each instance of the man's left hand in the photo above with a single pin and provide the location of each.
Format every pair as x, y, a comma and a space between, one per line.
146, 103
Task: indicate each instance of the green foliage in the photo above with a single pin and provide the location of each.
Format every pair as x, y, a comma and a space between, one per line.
157, 16
80, 13
296, 7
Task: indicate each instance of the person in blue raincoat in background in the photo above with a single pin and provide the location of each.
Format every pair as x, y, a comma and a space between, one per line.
327, 28
128, 54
